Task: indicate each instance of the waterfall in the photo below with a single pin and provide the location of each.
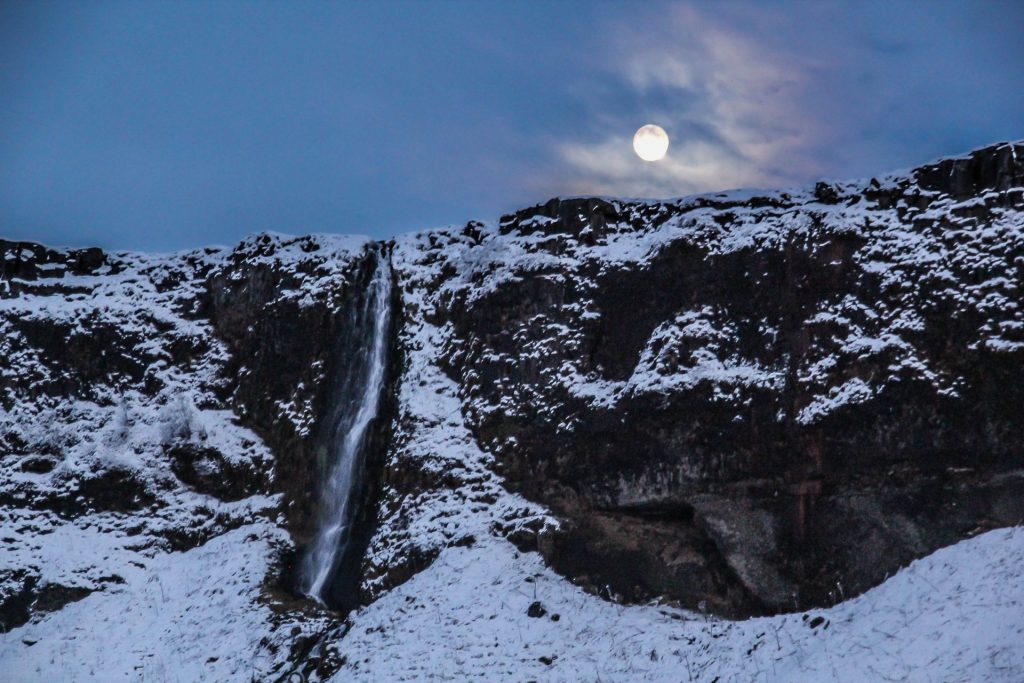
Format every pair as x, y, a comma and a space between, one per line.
355, 408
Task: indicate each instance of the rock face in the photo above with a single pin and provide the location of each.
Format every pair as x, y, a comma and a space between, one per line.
759, 403
743, 403
282, 317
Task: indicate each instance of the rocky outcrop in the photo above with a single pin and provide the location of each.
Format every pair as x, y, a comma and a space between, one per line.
282, 320
755, 403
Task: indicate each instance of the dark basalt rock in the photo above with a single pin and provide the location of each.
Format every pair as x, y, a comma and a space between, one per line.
84, 357
31, 261
997, 168
826, 194
38, 465
115, 489
585, 217
18, 606
53, 597
721, 493
206, 470
111, 489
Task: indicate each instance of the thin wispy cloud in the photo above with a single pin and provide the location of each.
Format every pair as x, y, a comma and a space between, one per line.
732, 104
132, 125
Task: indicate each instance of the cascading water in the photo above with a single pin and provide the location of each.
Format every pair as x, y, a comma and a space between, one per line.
358, 404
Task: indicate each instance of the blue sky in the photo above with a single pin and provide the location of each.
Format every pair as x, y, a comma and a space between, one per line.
160, 125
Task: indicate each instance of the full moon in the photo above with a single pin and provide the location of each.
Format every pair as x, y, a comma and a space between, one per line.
650, 142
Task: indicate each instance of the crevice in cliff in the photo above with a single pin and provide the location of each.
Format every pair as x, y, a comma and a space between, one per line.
365, 520
352, 438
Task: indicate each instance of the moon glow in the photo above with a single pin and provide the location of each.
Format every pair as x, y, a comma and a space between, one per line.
650, 142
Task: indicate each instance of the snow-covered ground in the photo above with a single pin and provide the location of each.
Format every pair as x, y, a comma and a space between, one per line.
191, 616
956, 615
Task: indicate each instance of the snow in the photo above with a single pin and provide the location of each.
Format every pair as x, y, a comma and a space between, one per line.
663, 368
851, 392
957, 615
191, 616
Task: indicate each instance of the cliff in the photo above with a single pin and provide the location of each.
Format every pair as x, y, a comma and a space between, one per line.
717, 407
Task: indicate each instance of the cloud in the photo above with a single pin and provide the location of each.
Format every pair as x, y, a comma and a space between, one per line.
732, 101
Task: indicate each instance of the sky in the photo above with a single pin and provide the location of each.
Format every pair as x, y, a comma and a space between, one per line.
171, 125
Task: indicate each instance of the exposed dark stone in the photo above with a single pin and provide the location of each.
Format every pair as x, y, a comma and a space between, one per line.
38, 465
764, 512
113, 489
998, 167
398, 572
16, 605
82, 357
578, 217
110, 489
31, 261
826, 193
205, 469
53, 597
536, 610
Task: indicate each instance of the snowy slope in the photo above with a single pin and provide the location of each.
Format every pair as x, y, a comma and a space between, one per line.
191, 616
957, 615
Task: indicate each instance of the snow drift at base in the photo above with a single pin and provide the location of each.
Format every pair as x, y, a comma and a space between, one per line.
957, 615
